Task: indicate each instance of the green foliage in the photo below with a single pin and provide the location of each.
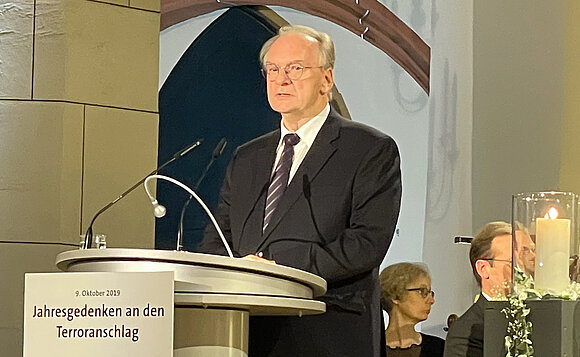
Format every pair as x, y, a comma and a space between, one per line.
518, 342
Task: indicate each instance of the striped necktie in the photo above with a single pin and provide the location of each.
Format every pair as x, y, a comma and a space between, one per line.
280, 179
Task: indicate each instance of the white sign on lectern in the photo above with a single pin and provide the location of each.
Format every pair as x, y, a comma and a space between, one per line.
98, 314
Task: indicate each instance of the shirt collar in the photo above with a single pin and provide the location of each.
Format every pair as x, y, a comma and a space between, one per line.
308, 131
489, 298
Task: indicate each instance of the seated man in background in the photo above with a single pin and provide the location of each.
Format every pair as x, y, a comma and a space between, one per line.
490, 257
525, 252
407, 297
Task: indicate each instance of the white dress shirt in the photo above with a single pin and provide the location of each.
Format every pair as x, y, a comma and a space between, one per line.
307, 134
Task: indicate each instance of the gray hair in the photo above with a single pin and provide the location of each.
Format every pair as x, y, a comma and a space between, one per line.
395, 278
325, 44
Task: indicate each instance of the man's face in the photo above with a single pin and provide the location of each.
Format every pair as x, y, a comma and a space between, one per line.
301, 98
525, 253
496, 273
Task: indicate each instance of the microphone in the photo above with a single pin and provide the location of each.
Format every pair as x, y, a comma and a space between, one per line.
307, 195
219, 149
160, 209
199, 200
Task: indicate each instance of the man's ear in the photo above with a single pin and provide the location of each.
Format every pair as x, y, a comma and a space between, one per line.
328, 80
482, 268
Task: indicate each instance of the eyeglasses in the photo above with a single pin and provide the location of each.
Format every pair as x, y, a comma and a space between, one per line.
293, 71
528, 250
424, 292
497, 260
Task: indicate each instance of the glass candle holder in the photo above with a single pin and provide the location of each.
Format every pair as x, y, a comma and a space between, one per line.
545, 238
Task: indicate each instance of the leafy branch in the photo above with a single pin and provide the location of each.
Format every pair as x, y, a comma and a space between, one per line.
518, 342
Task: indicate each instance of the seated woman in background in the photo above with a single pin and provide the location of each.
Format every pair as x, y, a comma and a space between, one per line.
407, 297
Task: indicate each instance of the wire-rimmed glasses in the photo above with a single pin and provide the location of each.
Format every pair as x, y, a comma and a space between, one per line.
294, 71
496, 260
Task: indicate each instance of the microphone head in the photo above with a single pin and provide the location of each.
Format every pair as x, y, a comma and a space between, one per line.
187, 149
158, 209
219, 149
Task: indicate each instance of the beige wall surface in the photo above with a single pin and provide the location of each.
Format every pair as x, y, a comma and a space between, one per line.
16, 43
81, 76
120, 149
519, 71
41, 157
96, 53
154, 5
570, 170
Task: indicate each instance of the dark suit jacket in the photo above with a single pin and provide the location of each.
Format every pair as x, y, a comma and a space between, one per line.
336, 220
465, 336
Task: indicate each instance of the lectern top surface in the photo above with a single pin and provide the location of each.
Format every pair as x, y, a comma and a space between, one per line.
65, 259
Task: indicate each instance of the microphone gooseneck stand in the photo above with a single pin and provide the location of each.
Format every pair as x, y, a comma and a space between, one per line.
217, 151
192, 193
181, 153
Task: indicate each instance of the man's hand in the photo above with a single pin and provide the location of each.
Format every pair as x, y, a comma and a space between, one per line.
255, 258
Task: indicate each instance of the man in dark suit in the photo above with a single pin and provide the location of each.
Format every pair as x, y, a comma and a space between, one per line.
490, 257
333, 215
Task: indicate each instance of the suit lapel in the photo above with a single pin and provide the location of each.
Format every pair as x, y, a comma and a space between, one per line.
322, 149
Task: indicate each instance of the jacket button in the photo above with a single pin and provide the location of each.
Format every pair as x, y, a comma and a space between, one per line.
260, 254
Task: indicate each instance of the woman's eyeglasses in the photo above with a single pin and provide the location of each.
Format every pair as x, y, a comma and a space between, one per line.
424, 292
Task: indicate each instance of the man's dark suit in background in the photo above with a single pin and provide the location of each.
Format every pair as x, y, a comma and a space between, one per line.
490, 257
465, 336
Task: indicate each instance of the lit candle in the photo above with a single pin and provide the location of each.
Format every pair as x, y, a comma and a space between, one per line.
552, 252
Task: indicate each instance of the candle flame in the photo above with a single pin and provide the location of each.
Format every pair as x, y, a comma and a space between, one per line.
552, 213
